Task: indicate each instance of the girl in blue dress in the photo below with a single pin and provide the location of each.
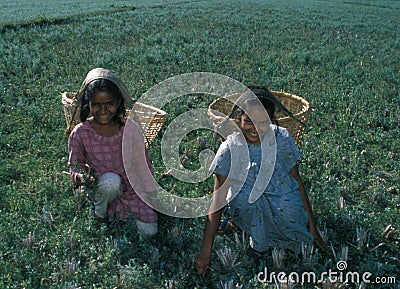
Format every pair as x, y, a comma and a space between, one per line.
274, 214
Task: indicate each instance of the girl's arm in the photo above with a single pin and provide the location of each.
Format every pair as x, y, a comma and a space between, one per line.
306, 203
202, 260
76, 161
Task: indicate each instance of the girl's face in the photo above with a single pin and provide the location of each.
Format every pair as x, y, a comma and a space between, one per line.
104, 107
254, 130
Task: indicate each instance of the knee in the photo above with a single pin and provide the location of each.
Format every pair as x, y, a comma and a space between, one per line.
109, 183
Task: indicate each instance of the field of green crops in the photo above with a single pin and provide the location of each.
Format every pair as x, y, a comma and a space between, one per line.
342, 56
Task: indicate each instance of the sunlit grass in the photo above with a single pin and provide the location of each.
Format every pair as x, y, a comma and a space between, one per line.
341, 56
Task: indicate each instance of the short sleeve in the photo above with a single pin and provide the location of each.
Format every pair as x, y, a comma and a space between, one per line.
287, 149
222, 162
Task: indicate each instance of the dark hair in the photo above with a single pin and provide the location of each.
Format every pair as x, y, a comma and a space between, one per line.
104, 85
266, 98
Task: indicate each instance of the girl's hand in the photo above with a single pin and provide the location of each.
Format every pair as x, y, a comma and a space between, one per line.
90, 181
86, 180
201, 263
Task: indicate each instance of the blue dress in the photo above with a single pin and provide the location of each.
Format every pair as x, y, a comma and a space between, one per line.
277, 218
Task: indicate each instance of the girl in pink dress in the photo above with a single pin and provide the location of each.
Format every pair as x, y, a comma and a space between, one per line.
95, 145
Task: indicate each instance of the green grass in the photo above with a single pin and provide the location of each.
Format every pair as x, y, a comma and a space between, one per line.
24, 11
342, 56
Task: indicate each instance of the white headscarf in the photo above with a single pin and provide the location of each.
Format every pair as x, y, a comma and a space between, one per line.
102, 73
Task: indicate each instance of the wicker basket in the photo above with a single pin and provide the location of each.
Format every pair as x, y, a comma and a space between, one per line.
151, 119
298, 106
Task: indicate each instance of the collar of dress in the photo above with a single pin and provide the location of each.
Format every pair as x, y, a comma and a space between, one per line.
240, 163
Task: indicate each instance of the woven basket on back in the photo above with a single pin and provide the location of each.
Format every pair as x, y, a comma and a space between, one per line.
295, 124
149, 118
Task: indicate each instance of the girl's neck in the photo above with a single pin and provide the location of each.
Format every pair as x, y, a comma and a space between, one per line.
105, 130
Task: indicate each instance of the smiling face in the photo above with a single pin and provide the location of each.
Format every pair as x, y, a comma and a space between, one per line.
104, 107
254, 128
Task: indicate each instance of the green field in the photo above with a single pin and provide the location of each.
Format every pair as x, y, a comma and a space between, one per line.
342, 56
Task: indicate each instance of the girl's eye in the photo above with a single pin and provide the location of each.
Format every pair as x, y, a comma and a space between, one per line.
111, 104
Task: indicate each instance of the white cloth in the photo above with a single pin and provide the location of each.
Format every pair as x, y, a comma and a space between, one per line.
106, 190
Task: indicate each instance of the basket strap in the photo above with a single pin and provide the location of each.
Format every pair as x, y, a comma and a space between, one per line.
214, 138
282, 108
289, 113
71, 120
214, 141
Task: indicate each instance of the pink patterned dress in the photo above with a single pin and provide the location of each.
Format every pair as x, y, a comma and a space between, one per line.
104, 154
